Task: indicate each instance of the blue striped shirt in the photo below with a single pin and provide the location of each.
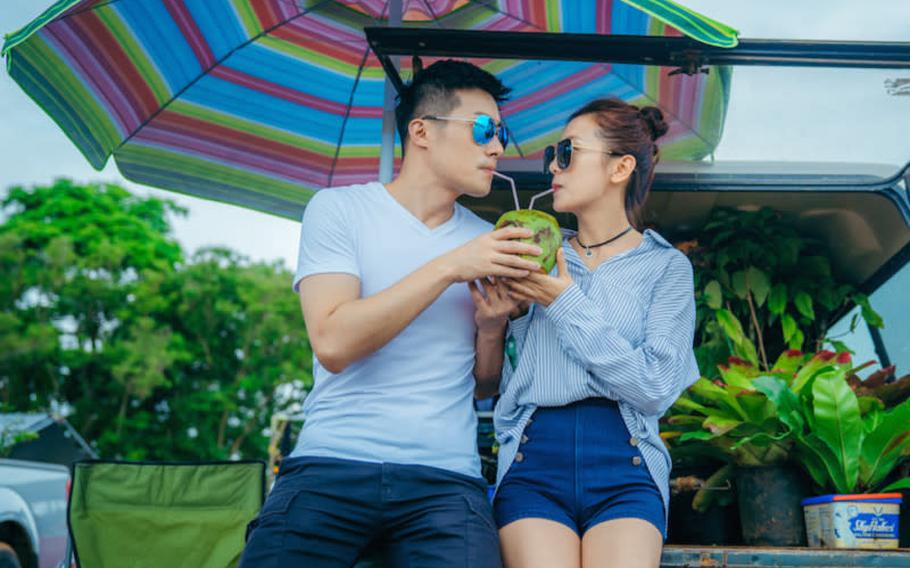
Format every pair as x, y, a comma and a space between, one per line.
623, 331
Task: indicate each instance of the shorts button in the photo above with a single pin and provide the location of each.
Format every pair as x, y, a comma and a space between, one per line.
519, 457
524, 438
636, 460
633, 441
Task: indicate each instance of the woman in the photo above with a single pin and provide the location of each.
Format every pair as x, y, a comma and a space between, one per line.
605, 349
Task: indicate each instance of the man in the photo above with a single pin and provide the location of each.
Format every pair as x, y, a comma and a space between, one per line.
388, 452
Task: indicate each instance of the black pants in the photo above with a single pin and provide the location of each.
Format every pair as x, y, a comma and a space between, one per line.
325, 512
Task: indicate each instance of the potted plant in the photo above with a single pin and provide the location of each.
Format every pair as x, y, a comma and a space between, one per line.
732, 416
849, 445
753, 267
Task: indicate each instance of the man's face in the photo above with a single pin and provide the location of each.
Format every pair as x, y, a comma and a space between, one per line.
455, 155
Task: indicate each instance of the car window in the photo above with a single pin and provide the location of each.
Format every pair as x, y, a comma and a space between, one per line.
892, 301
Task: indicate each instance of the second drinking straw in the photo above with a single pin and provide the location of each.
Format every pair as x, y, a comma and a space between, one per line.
541, 194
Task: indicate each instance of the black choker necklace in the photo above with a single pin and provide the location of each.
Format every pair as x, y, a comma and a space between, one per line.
588, 248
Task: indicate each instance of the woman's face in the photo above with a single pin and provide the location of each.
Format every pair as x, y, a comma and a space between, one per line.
592, 174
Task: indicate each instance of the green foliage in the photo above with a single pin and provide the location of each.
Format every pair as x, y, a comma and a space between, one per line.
11, 436
755, 268
728, 414
804, 411
151, 355
845, 446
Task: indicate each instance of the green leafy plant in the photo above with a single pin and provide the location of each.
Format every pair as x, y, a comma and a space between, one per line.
732, 416
755, 268
847, 443
726, 420
805, 410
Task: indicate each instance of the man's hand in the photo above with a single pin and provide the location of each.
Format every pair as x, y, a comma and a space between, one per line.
494, 305
492, 254
540, 288
521, 306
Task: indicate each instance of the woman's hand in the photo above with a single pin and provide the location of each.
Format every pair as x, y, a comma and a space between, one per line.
494, 305
540, 288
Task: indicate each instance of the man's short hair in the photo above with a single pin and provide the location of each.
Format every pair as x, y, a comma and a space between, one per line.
433, 91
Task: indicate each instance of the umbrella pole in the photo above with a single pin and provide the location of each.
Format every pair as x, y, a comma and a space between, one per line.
387, 150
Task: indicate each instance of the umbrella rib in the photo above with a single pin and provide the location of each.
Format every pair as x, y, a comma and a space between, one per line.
521, 153
433, 13
657, 104
347, 110
212, 66
347, 114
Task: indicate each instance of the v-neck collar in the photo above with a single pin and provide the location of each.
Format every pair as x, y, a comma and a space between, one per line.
444, 228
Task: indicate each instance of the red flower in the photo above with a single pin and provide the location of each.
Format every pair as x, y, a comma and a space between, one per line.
843, 358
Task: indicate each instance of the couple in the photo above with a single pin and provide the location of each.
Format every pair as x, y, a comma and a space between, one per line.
408, 298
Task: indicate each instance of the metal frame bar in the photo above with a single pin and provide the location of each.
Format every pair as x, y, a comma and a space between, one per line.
387, 149
884, 359
687, 54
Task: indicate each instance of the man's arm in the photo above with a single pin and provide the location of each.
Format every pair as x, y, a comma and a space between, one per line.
489, 347
344, 328
494, 307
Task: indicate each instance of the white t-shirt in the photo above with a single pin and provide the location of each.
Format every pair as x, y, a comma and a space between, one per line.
410, 402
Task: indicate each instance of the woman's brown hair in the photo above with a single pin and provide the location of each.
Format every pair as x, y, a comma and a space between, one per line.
634, 131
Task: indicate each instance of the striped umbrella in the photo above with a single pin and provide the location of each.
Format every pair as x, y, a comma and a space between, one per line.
260, 103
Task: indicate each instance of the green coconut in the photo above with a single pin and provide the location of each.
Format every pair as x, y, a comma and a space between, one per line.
546, 234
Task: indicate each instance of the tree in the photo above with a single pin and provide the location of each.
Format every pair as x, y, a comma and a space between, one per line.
149, 355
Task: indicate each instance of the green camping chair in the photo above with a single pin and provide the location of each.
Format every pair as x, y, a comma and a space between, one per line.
163, 514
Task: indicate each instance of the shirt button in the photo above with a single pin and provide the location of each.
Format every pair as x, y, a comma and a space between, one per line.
524, 438
636, 460
633, 441
519, 457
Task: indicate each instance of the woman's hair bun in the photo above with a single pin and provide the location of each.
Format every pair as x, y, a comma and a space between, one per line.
654, 119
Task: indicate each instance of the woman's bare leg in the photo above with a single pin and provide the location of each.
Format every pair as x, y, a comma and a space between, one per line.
533, 543
622, 543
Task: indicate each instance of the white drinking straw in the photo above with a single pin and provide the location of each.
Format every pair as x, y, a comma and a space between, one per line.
512, 183
541, 194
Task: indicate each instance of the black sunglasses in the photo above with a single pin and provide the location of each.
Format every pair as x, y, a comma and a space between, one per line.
562, 152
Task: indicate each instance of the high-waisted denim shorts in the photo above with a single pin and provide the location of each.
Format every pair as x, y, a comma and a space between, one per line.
578, 465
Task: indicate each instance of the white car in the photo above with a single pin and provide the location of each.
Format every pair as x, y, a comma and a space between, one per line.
33, 499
